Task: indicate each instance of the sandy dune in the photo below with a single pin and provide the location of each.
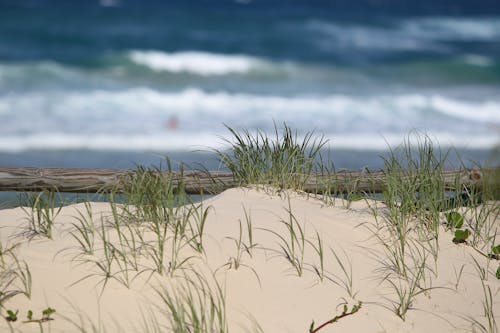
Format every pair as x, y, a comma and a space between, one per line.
266, 288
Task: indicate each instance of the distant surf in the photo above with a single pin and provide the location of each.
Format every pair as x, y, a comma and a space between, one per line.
138, 118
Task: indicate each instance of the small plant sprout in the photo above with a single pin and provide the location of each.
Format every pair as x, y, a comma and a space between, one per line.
495, 252
293, 243
489, 313
406, 291
23, 276
240, 244
240, 249
461, 236
458, 275
197, 217
5, 253
454, 220
318, 247
345, 312
104, 262
46, 316
251, 244
11, 315
84, 231
347, 279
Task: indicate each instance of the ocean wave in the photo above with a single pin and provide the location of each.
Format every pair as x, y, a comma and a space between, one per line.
138, 118
190, 141
478, 60
101, 142
198, 105
453, 29
480, 111
36, 71
337, 36
196, 62
415, 34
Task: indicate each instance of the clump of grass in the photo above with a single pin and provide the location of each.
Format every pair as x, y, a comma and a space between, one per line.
293, 242
42, 211
84, 232
15, 275
407, 289
104, 261
318, 247
240, 244
488, 308
197, 216
147, 232
160, 202
346, 281
284, 161
415, 183
195, 306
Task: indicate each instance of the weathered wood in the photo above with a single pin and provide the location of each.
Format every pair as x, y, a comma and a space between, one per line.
95, 180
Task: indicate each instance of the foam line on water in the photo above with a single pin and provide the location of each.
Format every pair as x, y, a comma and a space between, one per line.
138, 118
414, 34
149, 103
195, 62
204, 141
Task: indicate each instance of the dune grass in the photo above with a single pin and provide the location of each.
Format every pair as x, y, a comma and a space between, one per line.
285, 161
41, 211
197, 306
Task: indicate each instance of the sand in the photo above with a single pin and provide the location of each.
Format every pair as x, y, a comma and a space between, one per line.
265, 288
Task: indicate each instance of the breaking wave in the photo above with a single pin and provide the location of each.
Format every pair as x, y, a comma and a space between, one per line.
138, 118
195, 62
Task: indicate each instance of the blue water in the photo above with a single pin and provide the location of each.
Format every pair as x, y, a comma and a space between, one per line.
96, 83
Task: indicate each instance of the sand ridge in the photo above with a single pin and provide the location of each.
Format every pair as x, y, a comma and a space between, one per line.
266, 288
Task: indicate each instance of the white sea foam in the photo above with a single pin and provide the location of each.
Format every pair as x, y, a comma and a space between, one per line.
101, 142
408, 35
145, 102
366, 37
487, 111
187, 141
449, 28
137, 118
200, 63
478, 60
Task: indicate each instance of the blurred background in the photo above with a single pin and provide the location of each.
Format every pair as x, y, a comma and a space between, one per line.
112, 82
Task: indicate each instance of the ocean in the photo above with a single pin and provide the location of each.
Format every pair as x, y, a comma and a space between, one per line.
111, 83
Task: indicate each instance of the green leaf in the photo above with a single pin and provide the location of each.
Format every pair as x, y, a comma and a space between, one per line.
495, 249
11, 315
311, 328
461, 236
498, 273
455, 220
354, 197
30, 315
48, 311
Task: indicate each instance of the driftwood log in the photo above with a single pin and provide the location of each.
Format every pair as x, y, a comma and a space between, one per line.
102, 180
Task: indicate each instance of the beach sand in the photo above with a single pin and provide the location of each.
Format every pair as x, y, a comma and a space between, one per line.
265, 290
